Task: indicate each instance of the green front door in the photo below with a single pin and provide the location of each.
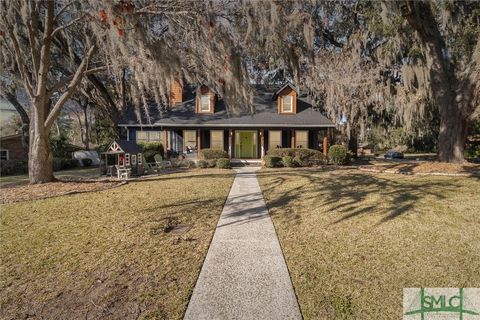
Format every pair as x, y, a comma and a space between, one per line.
245, 145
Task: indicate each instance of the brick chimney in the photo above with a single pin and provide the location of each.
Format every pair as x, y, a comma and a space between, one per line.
176, 93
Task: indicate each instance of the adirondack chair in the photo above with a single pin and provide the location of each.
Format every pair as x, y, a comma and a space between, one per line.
162, 163
150, 167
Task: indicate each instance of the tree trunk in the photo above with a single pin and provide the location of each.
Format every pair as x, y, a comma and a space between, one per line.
86, 142
353, 143
40, 158
453, 134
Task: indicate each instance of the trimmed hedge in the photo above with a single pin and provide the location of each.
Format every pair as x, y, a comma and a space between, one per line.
271, 161
338, 154
150, 149
303, 153
202, 164
211, 163
298, 161
208, 153
13, 167
287, 161
223, 163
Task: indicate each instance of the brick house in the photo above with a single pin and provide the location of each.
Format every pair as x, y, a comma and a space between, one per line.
198, 118
11, 147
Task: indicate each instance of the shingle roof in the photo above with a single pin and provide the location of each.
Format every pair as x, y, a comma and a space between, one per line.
128, 146
266, 115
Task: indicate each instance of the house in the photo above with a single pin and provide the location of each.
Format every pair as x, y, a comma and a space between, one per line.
366, 149
11, 147
198, 118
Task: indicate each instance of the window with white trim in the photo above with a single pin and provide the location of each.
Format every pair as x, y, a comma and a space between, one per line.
134, 159
287, 103
140, 158
3, 154
216, 139
274, 139
205, 103
301, 139
127, 159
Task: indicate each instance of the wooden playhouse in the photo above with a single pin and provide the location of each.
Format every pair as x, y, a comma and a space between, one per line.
122, 156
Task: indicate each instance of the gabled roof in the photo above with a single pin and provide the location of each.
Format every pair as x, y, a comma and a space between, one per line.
286, 85
265, 114
124, 146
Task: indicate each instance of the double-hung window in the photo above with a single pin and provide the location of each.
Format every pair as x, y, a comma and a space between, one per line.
274, 139
205, 103
287, 104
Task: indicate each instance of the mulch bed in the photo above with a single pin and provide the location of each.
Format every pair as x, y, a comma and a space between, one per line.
25, 192
426, 168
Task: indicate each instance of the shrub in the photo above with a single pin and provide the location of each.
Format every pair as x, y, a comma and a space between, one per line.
304, 153
298, 161
213, 153
212, 163
308, 154
13, 167
281, 152
202, 164
271, 161
287, 161
338, 154
223, 163
87, 162
150, 149
184, 163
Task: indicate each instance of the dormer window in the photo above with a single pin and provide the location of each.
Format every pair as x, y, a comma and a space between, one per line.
287, 104
286, 99
205, 103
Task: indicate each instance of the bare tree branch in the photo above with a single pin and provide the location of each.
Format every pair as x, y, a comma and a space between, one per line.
70, 90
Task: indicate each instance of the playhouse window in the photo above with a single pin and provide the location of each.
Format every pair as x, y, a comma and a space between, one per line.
127, 159
140, 160
134, 159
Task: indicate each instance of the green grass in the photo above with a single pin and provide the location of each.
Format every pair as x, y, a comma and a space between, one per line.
105, 254
353, 241
74, 173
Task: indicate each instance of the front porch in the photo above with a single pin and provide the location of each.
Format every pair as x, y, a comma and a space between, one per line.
243, 143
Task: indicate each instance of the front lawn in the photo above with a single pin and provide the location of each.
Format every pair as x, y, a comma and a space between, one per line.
130, 252
354, 240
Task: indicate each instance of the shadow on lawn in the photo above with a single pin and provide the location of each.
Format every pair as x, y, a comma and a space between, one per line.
344, 191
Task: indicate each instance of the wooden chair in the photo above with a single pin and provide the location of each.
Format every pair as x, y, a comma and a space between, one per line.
150, 167
122, 173
162, 163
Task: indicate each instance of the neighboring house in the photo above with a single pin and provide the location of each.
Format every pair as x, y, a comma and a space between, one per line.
366, 149
11, 147
198, 119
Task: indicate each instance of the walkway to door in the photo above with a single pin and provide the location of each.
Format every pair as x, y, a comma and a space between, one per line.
244, 275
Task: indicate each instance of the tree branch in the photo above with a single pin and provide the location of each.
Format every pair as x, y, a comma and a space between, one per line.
70, 89
20, 109
60, 28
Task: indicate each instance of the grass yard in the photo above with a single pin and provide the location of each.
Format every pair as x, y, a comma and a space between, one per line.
130, 252
68, 174
354, 240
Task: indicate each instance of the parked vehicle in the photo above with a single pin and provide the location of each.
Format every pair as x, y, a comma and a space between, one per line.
392, 154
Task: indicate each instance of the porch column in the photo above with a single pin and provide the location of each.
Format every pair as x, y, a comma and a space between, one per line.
292, 143
262, 143
230, 135
199, 143
165, 140
325, 143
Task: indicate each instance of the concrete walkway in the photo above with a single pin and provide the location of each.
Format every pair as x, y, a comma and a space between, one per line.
244, 275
